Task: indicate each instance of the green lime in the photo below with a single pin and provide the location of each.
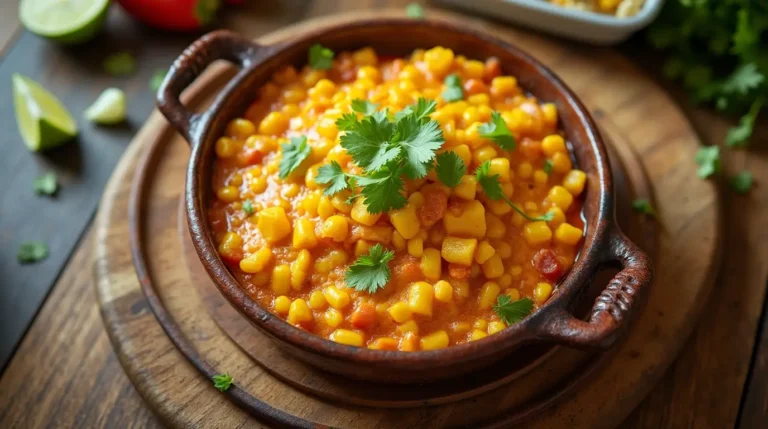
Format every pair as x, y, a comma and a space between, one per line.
65, 21
43, 121
109, 108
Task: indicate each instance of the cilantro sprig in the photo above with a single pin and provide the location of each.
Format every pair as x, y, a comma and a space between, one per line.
32, 251
548, 167
643, 205
708, 159
497, 131
320, 57
450, 169
741, 182
492, 188
512, 311
248, 207
294, 153
222, 382
370, 272
454, 91
46, 184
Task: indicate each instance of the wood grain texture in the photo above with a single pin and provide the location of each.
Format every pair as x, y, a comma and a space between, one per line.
602, 402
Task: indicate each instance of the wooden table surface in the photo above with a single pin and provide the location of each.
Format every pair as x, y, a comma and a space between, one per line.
63, 372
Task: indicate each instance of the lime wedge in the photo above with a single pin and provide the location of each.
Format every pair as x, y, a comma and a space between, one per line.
43, 121
65, 21
109, 108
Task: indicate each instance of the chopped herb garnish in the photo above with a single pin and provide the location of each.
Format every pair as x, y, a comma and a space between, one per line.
450, 169
414, 10
294, 153
738, 136
120, 64
492, 189
364, 107
157, 79
643, 205
453, 89
387, 149
333, 176
370, 272
510, 311
248, 207
320, 57
548, 167
222, 382
497, 131
46, 184
32, 251
708, 159
741, 182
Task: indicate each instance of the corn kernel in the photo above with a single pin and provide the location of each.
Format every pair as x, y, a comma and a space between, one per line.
513, 294
304, 234
361, 215
226, 147
495, 227
339, 202
275, 123
504, 281
504, 85
560, 197
487, 295
438, 60
540, 177
345, 336
362, 247
541, 292
464, 152
273, 224
240, 128
460, 327
398, 241
477, 335
461, 288
256, 262
405, 220
300, 268
317, 300
485, 153
400, 312
336, 228
484, 252
549, 113
525, 170
325, 208
537, 233
561, 163
500, 166
231, 246
281, 304
431, 264
299, 312
434, 341
333, 317
515, 270
420, 296
443, 291
228, 194
553, 144
416, 247
558, 217
409, 342
384, 343
495, 327
467, 188
574, 182
480, 324
493, 267
566, 234
336, 297
408, 327
504, 250
365, 57
281, 279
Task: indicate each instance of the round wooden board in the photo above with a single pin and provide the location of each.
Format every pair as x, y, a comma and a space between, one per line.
632, 110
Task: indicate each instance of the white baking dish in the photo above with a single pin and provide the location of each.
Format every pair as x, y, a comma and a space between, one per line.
574, 24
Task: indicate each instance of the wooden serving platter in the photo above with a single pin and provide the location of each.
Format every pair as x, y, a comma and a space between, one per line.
648, 133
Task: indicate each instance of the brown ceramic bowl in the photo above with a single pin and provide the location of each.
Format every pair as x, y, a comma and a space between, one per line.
604, 243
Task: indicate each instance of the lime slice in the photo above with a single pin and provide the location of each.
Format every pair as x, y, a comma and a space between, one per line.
109, 108
43, 121
65, 21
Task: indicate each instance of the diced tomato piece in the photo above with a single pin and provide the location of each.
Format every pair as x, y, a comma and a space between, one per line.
474, 86
458, 272
548, 265
434, 207
406, 269
364, 316
492, 69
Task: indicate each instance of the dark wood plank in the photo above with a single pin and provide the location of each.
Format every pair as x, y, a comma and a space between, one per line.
754, 404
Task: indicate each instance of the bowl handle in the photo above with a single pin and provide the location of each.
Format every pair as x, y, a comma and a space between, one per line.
613, 308
216, 45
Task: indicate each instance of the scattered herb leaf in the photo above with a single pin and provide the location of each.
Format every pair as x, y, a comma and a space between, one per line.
248, 207
453, 89
222, 382
510, 311
643, 205
46, 184
157, 79
450, 169
370, 272
32, 251
708, 159
548, 167
364, 107
742, 182
320, 57
497, 131
120, 64
492, 189
414, 10
294, 153
421, 109
333, 176
738, 136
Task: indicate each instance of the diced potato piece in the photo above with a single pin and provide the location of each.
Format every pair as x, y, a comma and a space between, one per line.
345, 336
470, 223
416, 247
405, 221
431, 264
361, 215
459, 250
434, 341
273, 224
420, 297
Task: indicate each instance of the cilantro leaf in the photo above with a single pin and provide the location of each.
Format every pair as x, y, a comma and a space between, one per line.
548, 167
497, 131
708, 159
510, 311
450, 169
320, 57
364, 106
421, 109
370, 272
346, 122
643, 205
383, 191
414, 11
742, 182
739, 135
157, 79
32, 251
492, 189
248, 207
743, 79
419, 141
222, 382
46, 184
453, 89
367, 140
294, 153
332, 175
120, 64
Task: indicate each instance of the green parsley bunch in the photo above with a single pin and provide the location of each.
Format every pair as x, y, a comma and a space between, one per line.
719, 50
